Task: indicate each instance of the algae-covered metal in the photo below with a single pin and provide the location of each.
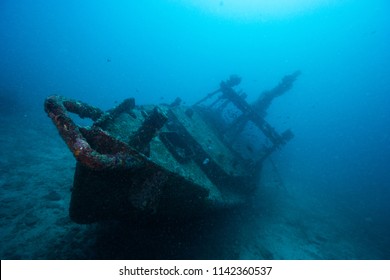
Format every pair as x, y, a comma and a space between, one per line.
168, 161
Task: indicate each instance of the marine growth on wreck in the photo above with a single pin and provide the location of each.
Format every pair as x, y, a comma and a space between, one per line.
168, 161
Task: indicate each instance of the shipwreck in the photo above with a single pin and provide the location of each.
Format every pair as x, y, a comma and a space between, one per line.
168, 161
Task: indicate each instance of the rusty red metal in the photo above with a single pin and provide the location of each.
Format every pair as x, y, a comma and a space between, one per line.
93, 147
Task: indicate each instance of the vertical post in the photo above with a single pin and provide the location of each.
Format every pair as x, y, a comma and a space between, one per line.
152, 123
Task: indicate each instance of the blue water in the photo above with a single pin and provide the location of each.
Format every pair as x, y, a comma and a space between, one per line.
104, 51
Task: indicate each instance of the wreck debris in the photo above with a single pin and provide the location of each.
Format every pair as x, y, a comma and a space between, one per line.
121, 156
149, 128
264, 101
170, 161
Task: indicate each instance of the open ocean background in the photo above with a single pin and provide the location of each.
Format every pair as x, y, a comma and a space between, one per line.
325, 195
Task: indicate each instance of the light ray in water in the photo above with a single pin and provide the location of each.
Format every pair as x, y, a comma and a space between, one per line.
257, 9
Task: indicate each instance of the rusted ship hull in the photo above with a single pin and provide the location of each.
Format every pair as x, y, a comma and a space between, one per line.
166, 162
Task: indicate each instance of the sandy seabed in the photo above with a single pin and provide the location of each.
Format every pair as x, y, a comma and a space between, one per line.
36, 179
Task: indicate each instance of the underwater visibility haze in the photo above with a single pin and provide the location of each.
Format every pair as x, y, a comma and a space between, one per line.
324, 195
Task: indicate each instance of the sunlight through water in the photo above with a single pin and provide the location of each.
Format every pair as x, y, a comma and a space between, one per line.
249, 10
